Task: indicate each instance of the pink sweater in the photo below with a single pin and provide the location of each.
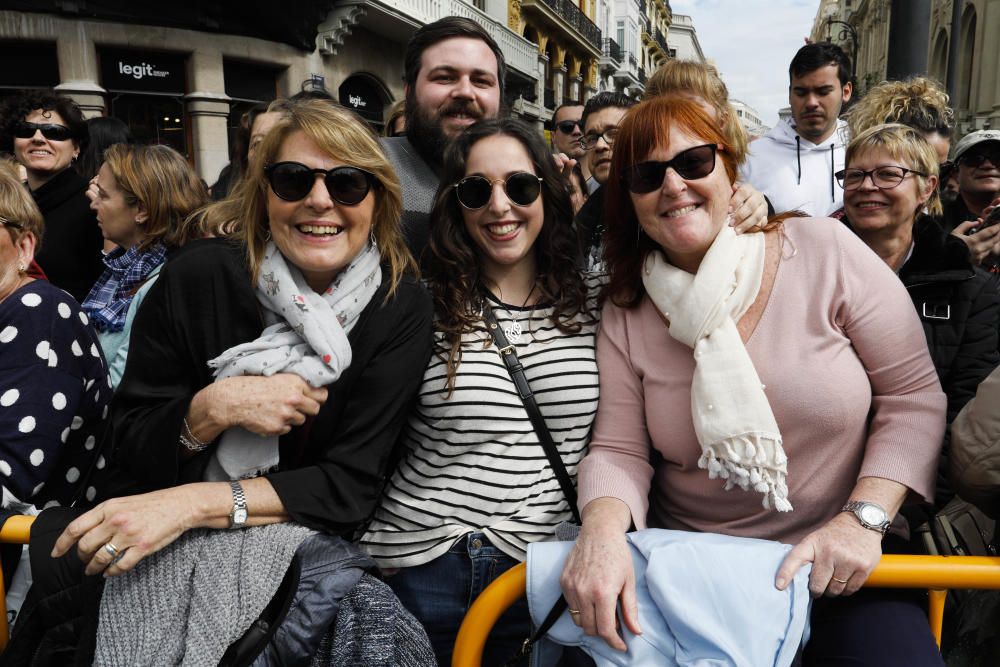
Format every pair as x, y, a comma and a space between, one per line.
839, 341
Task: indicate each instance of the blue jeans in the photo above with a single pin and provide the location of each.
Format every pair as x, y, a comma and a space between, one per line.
440, 592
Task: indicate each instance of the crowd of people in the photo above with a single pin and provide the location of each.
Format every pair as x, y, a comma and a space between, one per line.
395, 363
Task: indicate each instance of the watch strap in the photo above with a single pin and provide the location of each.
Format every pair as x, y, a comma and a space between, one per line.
238, 515
856, 506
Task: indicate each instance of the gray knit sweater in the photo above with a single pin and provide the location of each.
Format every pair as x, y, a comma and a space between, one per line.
185, 604
419, 182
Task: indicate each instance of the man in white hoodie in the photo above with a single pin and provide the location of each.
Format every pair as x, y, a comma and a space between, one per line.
794, 164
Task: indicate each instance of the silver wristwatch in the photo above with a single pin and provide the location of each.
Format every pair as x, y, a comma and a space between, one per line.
870, 515
238, 517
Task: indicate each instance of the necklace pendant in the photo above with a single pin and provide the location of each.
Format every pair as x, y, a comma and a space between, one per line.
513, 332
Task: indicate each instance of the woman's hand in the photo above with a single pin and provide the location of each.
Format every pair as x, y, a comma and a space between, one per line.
267, 406
748, 208
597, 573
982, 243
135, 526
843, 554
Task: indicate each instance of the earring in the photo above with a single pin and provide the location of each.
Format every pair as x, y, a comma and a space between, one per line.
22, 267
371, 237
267, 235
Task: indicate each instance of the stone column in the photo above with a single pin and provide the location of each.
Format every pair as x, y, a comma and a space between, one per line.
208, 109
543, 61
78, 72
558, 82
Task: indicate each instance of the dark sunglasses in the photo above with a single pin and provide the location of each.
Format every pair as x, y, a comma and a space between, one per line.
25, 130
292, 181
979, 157
691, 164
474, 192
567, 126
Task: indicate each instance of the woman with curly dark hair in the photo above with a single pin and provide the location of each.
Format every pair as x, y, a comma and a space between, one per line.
474, 486
44, 131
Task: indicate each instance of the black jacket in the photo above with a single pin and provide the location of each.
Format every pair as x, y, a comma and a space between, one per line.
959, 308
71, 244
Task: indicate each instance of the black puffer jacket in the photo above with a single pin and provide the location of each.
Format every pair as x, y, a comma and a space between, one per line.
959, 308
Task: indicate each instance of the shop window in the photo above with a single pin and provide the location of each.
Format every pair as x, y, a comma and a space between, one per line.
146, 90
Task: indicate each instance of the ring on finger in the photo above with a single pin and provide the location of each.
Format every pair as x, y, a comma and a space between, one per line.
112, 550
574, 615
839, 581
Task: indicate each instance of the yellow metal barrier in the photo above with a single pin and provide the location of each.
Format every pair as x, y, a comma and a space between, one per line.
16, 530
936, 573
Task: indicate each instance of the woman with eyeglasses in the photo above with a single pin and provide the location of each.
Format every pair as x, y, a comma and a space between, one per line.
44, 131
890, 180
276, 369
474, 486
754, 385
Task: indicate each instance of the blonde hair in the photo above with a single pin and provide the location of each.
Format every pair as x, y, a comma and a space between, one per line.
903, 143
340, 134
17, 205
395, 112
163, 183
918, 102
701, 80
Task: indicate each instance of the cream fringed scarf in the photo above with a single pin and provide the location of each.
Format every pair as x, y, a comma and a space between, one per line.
739, 438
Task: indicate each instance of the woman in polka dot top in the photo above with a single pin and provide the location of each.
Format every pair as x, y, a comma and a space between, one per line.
54, 387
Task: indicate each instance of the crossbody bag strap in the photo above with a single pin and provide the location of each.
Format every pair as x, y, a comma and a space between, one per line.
516, 370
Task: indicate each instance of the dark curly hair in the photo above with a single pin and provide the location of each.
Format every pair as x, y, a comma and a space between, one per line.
453, 269
18, 107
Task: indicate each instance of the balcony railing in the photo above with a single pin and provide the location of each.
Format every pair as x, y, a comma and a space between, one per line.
612, 50
661, 40
577, 19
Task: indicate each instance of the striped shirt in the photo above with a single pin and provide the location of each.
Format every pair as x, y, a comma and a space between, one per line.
473, 462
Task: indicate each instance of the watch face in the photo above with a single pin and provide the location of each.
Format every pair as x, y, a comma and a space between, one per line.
239, 516
872, 515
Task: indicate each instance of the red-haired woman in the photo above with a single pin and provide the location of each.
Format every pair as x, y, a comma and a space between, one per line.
798, 341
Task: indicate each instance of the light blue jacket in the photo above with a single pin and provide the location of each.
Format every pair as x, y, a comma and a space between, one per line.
115, 344
704, 600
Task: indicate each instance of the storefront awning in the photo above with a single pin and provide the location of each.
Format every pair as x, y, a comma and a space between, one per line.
292, 22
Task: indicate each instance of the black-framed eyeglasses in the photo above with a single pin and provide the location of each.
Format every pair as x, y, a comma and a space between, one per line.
884, 178
292, 181
567, 126
589, 140
977, 158
522, 189
51, 131
691, 164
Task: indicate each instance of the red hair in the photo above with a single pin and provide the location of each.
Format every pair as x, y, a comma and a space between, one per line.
646, 126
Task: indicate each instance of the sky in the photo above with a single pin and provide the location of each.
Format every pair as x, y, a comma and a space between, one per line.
752, 42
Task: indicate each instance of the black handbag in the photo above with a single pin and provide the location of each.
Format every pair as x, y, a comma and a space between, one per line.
509, 356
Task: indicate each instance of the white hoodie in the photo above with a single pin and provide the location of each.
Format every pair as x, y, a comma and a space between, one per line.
796, 174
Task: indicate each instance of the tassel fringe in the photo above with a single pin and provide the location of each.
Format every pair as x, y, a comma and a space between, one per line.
750, 461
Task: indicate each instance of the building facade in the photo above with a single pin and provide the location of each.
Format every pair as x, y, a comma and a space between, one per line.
750, 119
963, 50
683, 40
176, 78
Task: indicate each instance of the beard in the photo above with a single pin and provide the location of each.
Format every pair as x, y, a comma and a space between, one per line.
425, 130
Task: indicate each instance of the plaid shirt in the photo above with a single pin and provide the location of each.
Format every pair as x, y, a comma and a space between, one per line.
109, 298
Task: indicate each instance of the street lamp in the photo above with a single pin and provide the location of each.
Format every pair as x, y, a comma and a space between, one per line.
846, 30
